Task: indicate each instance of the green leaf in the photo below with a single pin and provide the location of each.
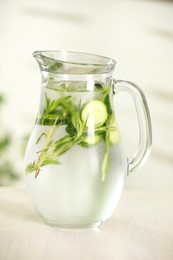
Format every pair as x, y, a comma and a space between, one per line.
70, 129
55, 66
4, 142
76, 121
98, 86
1, 99
50, 161
7, 173
47, 101
107, 101
63, 144
38, 140
105, 166
106, 160
55, 108
30, 167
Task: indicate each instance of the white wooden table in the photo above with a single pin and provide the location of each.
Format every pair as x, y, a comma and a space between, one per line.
140, 229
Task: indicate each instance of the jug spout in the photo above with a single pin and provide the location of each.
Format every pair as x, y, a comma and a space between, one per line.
69, 62
47, 62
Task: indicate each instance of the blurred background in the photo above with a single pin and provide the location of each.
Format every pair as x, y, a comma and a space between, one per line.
138, 34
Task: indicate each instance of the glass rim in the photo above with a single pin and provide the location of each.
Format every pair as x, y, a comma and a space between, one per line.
73, 58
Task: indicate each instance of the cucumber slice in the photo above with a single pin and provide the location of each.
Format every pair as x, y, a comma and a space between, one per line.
90, 140
94, 112
114, 135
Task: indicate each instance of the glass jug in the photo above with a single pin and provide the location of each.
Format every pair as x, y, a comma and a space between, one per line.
75, 162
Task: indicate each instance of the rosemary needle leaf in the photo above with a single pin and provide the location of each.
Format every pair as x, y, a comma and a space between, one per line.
106, 159
30, 168
38, 140
50, 161
105, 166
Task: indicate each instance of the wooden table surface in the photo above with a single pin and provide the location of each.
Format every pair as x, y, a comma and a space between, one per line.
141, 228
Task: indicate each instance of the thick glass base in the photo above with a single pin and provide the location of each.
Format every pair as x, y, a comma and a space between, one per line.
74, 226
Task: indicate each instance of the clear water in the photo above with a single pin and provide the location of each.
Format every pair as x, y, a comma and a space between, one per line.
71, 194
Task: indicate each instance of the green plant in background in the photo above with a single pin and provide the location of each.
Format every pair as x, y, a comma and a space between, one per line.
7, 172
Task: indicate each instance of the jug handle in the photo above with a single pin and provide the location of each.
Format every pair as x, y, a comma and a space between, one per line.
144, 121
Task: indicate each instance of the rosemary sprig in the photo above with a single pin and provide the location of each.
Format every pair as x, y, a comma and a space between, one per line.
46, 156
63, 112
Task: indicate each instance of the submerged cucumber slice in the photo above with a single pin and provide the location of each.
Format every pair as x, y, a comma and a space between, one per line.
94, 112
90, 140
114, 135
